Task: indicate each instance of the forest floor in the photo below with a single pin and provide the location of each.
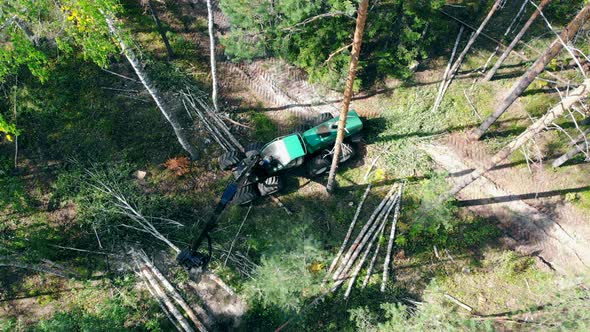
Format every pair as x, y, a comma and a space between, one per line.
533, 207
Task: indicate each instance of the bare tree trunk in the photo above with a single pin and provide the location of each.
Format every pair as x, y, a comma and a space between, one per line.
154, 13
461, 56
168, 114
515, 41
348, 233
536, 69
446, 75
212, 55
566, 103
354, 59
579, 144
161, 296
174, 294
391, 238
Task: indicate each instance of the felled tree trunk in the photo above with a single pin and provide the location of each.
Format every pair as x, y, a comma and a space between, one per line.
212, 55
566, 103
354, 59
168, 114
516, 39
536, 69
579, 144
461, 56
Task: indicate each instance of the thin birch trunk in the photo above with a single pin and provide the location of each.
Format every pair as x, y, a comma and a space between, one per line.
360, 264
461, 56
354, 59
154, 93
566, 103
443, 82
515, 41
212, 55
391, 238
569, 155
357, 249
161, 31
349, 233
537, 68
508, 30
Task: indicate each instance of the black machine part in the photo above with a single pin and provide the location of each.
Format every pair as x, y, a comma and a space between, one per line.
190, 257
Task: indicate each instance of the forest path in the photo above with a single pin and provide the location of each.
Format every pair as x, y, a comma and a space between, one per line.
555, 234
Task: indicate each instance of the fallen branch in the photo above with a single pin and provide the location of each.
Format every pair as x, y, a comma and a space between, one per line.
280, 204
237, 234
336, 52
459, 303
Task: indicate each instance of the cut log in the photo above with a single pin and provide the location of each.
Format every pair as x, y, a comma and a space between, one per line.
374, 229
161, 296
348, 233
537, 68
391, 237
176, 296
569, 155
373, 259
362, 232
515, 41
360, 264
566, 103
506, 33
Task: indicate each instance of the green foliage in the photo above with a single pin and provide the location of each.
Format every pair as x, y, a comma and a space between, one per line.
86, 28
280, 28
91, 311
284, 279
264, 128
21, 51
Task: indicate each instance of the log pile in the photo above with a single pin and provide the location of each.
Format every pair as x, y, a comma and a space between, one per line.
198, 110
173, 305
347, 266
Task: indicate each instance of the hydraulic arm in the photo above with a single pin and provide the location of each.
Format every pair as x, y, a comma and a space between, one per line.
190, 257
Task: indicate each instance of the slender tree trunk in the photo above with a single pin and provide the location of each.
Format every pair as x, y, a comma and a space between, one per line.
354, 59
461, 56
212, 55
154, 13
168, 114
566, 103
516, 39
579, 144
537, 68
